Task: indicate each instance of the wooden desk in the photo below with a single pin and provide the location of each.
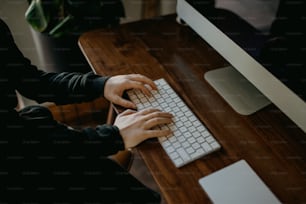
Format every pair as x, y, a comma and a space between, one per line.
267, 140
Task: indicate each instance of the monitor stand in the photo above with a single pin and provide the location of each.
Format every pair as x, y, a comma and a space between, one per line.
237, 91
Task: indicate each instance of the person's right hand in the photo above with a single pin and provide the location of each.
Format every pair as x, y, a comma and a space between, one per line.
137, 126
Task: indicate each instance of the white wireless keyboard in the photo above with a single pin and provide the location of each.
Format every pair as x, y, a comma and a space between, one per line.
190, 139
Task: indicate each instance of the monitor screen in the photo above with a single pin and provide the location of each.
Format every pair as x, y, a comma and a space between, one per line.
264, 41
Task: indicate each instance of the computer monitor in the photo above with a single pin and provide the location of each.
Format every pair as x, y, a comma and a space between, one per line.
241, 49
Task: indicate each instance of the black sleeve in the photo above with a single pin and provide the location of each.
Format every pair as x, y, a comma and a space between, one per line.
35, 130
61, 88
103, 140
109, 137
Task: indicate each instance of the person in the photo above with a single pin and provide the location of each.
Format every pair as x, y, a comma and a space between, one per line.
44, 161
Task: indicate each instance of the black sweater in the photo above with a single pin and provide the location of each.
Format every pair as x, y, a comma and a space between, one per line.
17, 73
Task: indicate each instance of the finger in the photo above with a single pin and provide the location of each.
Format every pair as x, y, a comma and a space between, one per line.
148, 111
157, 133
142, 83
157, 114
124, 102
151, 123
140, 86
128, 112
144, 80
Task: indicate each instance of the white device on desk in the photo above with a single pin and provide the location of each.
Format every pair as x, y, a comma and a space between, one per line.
237, 184
190, 139
286, 92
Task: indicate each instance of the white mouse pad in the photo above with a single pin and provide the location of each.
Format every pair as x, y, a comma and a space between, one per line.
235, 184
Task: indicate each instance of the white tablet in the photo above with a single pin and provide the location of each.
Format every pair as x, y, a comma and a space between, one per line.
237, 183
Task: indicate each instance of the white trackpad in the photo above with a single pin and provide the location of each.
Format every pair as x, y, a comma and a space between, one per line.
237, 183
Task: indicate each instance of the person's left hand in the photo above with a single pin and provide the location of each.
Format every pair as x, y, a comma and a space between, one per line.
116, 85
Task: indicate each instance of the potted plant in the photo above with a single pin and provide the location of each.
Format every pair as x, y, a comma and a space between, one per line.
57, 25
